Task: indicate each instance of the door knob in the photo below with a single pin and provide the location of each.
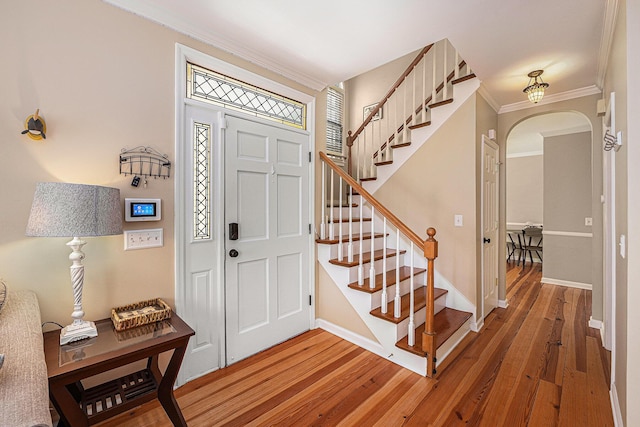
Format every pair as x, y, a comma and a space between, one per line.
485, 240
233, 253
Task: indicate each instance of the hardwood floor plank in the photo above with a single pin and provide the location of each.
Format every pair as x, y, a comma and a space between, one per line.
546, 408
535, 363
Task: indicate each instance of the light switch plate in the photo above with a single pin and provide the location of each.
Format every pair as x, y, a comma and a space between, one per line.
143, 239
588, 221
457, 220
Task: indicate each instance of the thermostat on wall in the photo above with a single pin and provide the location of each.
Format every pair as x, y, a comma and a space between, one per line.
142, 210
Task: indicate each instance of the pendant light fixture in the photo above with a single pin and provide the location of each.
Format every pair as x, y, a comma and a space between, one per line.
535, 90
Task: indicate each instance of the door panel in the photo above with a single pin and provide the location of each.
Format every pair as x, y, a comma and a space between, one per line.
490, 224
267, 181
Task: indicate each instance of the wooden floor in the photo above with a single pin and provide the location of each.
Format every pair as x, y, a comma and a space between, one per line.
535, 363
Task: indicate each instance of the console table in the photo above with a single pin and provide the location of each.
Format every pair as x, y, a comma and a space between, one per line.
70, 363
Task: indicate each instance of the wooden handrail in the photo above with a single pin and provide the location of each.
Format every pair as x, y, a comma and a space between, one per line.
376, 204
395, 86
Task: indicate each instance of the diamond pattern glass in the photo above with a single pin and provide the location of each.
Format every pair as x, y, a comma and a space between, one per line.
226, 92
201, 181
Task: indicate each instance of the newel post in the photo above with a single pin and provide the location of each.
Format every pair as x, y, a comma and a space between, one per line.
429, 334
349, 145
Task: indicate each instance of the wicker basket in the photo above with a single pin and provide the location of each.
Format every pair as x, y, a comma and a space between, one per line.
140, 313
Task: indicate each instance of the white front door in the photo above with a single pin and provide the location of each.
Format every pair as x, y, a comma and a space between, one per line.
267, 266
489, 224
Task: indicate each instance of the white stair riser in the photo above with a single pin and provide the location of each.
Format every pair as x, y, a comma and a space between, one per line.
366, 247
405, 285
391, 264
418, 318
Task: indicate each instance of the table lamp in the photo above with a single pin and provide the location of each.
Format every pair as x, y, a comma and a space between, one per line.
75, 210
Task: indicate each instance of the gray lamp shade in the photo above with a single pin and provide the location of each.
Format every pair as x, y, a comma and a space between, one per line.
74, 210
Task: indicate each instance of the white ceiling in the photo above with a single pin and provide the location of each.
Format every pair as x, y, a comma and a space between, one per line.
324, 42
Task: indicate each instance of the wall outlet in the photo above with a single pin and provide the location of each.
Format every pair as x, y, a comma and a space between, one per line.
457, 220
588, 221
143, 239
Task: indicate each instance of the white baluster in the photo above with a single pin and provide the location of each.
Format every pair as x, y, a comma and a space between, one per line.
423, 103
414, 117
358, 159
412, 325
372, 268
404, 112
456, 68
323, 225
340, 251
360, 262
372, 165
433, 79
332, 233
397, 301
350, 247
383, 303
444, 73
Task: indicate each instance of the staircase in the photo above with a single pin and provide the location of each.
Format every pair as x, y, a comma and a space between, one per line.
384, 269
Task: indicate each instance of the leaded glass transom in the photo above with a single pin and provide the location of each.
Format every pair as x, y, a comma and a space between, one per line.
227, 92
201, 181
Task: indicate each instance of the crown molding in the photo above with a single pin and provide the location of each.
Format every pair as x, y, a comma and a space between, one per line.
147, 10
606, 39
550, 99
482, 90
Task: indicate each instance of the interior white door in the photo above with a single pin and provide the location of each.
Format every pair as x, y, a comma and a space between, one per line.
202, 295
267, 267
489, 224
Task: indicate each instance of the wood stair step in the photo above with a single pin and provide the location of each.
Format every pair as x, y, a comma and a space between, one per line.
463, 79
336, 219
373, 178
345, 238
446, 323
344, 204
386, 162
420, 125
405, 273
441, 103
366, 257
401, 145
419, 302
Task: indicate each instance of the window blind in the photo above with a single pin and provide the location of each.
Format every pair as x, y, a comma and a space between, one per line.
335, 106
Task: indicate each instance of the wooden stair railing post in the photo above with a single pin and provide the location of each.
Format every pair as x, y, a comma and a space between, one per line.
429, 334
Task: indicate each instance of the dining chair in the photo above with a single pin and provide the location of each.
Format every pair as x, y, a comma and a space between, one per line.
531, 242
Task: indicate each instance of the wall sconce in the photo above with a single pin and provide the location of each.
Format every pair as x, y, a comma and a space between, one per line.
35, 127
535, 91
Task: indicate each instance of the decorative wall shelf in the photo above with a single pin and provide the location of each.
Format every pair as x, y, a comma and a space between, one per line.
144, 162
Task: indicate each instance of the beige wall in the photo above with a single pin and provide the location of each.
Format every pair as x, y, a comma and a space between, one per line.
524, 189
585, 105
616, 81
436, 183
103, 80
370, 87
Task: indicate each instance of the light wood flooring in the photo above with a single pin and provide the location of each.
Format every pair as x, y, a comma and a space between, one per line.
535, 363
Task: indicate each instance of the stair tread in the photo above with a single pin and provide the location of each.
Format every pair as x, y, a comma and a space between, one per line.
420, 125
418, 303
345, 238
366, 257
336, 219
401, 145
373, 178
405, 273
344, 205
441, 103
446, 323
464, 78
386, 162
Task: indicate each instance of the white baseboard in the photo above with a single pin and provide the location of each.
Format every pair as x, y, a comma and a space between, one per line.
476, 326
345, 334
503, 303
615, 406
567, 283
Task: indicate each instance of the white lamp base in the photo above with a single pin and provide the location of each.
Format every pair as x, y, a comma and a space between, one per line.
76, 332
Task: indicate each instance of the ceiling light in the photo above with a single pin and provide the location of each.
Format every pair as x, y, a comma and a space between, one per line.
535, 91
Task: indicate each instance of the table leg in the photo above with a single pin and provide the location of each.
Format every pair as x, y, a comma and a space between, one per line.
165, 388
67, 407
